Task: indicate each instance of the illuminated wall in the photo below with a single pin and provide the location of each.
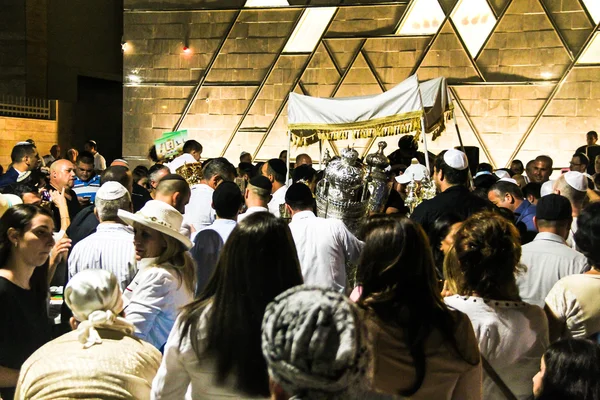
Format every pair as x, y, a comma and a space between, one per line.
525, 73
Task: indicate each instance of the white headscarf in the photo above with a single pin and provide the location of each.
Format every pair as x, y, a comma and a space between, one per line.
95, 299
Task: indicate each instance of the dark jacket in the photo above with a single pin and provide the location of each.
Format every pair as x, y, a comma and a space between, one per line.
9, 177
456, 199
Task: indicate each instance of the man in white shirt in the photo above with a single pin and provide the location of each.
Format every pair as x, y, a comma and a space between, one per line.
192, 151
99, 161
257, 196
199, 212
324, 246
572, 185
111, 247
226, 201
275, 170
174, 190
548, 258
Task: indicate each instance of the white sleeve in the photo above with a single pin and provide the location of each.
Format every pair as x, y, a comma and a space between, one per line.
172, 379
149, 298
352, 246
560, 303
565, 307
102, 163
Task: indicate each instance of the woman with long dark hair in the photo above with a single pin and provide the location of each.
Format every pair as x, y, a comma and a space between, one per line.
422, 349
569, 370
480, 270
216, 343
25, 244
441, 238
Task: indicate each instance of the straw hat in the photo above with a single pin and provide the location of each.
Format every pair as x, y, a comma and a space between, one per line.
159, 216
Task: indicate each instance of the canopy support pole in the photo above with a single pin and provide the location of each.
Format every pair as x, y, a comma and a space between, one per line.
423, 125
425, 138
287, 162
462, 146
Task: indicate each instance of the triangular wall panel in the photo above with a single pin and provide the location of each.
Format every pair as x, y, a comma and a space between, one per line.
377, 20
502, 114
447, 5
447, 57
499, 5
574, 111
524, 46
572, 21
394, 58
343, 51
359, 81
321, 76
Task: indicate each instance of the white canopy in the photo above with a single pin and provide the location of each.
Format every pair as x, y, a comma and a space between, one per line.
399, 110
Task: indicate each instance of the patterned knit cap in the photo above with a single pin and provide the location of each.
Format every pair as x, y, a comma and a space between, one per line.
315, 344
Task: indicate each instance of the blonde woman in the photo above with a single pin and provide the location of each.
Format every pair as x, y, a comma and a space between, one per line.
166, 273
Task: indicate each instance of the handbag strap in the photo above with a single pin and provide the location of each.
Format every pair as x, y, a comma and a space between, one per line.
497, 380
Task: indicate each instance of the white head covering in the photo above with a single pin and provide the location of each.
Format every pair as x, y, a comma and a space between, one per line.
511, 180
547, 188
159, 216
415, 172
456, 159
7, 201
577, 180
112, 191
94, 297
502, 174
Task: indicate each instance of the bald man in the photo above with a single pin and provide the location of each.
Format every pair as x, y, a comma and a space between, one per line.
303, 159
62, 179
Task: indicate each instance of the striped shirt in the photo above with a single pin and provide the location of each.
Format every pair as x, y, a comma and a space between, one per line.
110, 248
87, 189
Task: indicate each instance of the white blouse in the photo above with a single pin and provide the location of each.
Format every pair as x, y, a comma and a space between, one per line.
154, 299
182, 375
512, 337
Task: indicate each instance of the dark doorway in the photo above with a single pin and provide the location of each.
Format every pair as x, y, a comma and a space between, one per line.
99, 115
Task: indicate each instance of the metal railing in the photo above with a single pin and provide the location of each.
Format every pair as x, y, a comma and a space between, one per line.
25, 107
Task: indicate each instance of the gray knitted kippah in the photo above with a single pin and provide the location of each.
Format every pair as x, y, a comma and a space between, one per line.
314, 343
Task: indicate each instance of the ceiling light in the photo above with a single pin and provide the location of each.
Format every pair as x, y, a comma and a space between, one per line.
309, 30
424, 17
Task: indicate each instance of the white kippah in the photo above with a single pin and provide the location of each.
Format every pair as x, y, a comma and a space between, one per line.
511, 180
577, 180
456, 159
502, 174
547, 188
111, 191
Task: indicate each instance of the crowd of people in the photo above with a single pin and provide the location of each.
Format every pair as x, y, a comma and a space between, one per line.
227, 284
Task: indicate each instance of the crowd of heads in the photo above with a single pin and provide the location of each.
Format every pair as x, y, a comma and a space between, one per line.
255, 320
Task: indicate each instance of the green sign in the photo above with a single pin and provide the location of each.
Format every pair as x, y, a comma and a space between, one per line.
170, 144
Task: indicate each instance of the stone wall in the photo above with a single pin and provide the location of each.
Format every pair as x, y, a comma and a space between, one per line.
14, 130
513, 101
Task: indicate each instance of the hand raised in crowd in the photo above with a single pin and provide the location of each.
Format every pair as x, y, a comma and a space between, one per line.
60, 251
58, 199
